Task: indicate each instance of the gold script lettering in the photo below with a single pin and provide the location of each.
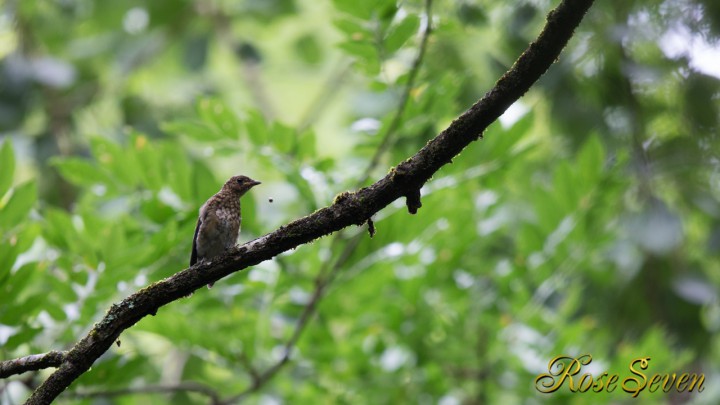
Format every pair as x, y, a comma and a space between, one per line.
547, 383
638, 385
696, 379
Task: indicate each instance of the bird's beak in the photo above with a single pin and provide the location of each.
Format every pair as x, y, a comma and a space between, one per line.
254, 183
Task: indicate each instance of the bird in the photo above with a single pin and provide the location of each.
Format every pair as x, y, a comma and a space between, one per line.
218, 223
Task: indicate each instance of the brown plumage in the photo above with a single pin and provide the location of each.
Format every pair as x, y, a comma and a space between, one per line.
218, 224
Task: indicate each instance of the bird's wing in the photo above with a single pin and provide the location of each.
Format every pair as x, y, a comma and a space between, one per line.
206, 233
194, 254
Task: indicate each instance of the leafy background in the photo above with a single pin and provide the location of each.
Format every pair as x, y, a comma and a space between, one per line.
586, 221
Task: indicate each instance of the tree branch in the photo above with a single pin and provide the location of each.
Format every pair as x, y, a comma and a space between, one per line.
31, 363
348, 209
249, 63
188, 386
327, 93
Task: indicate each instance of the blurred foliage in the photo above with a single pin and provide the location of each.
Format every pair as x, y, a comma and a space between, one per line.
586, 221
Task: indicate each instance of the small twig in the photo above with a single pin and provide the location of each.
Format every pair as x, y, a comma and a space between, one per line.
31, 363
250, 67
371, 227
188, 386
389, 134
322, 282
254, 374
641, 159
326, 95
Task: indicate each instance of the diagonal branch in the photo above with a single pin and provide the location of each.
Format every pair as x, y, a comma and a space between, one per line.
348, 209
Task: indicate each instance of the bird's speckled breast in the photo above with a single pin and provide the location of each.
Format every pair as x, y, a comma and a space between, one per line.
227, 214
229, 223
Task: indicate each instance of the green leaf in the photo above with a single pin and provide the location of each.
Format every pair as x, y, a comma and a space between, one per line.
7, 167
565, 186
19, 280
19, 205
58, 229
471, 14
204, 182
26, 236
250, 222
25, 335
114, 245
306, 145
156, 210
308, 49
401, 33
256, 128
283, 137
149, 159
56, 312
352, 29
218, 115
23, 310
78, 171
177, 171
192, 129
8, 255
304, 188
383, 10
126, 166
590, 159
359, 9
324, 165
165, 240
120, 163
547, 209
61, 289
500, 142
364, 50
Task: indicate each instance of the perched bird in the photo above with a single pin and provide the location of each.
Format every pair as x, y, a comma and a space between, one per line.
219, 222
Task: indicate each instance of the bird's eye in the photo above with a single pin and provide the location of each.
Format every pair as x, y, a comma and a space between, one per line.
239, 181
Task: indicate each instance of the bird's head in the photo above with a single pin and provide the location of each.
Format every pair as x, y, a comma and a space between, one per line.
239, 185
